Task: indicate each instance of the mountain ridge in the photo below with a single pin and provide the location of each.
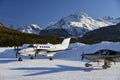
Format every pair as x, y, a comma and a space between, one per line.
76, 25
32, 28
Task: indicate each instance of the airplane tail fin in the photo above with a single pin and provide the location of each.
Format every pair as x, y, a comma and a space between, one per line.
66, 42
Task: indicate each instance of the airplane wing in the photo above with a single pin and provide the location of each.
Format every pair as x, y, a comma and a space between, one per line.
60, 50
51, 53
38, 50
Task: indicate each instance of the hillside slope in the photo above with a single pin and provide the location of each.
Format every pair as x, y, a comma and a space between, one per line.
105, 33
10, 37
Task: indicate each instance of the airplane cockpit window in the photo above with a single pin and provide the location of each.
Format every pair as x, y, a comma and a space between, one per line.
30, 46
104, 53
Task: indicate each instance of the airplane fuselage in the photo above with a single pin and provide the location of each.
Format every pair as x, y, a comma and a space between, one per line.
45, 49
103, 54
95, 57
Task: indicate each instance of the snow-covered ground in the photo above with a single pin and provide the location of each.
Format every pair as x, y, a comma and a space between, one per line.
65, 66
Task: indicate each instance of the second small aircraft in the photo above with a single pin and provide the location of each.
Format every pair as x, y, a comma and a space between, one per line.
104, 54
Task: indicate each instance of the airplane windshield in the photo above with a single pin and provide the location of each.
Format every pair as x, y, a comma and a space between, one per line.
30, 46
104, 52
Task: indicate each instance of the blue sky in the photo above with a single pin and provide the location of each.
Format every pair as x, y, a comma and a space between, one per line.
42, 12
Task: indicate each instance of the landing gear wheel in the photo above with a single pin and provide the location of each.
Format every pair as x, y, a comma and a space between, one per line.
20, 59
32, 57
50, 58
88, 65
109, 66
106, 64
104, 67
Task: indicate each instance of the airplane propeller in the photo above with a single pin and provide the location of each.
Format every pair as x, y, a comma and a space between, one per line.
35, 49
16, 54
82, 56
36, 53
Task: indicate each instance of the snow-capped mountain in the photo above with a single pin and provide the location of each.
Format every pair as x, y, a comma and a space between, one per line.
32, 28
112, 20
77, 25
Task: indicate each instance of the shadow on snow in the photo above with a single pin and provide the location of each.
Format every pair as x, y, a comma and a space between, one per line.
59, 68
6, 61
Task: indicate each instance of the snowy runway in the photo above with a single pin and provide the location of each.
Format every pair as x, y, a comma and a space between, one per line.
65, 66
55, 70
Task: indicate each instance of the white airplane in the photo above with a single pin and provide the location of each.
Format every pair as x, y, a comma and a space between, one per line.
48, 50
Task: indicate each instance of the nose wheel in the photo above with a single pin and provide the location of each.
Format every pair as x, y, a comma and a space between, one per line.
32, 57
106, 64
19, 59
88, 65
51, 58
